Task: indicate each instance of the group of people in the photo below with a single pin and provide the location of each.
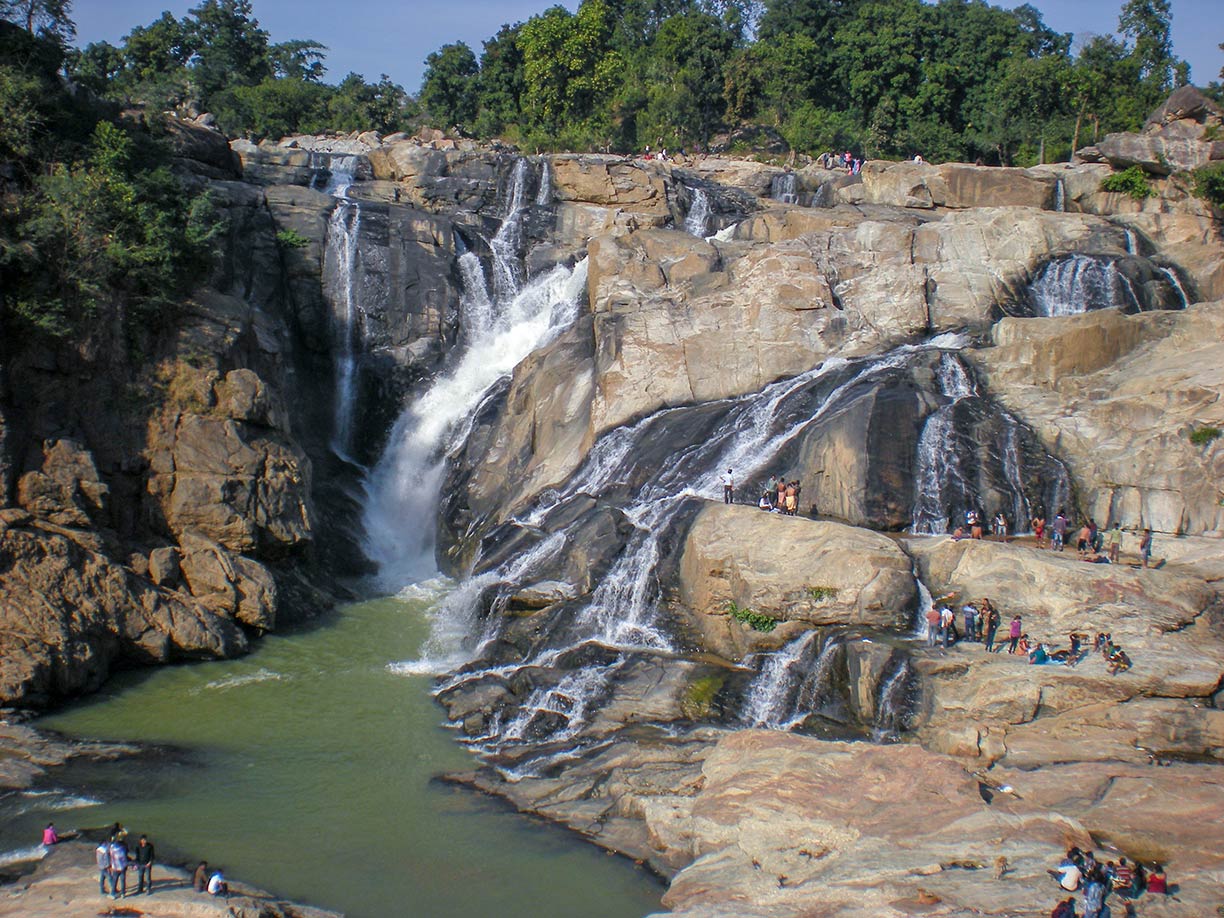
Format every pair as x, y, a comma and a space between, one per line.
847, 161
981, 624
1080, 871
781, 496
115, 858
1093, 544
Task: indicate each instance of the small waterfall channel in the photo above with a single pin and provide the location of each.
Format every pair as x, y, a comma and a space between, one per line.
784, 188
697, 221
1072, 284
342, 279
949, 467
502, 329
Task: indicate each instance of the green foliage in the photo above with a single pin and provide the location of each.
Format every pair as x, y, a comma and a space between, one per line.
291, 239
448, 91
1205, 436
100, 236
1132, 181
756, 620
1208, 183
821, 593
699, 696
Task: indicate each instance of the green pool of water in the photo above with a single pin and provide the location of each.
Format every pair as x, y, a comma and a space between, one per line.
309, 768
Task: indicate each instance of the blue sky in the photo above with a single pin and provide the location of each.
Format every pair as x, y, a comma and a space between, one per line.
373, 37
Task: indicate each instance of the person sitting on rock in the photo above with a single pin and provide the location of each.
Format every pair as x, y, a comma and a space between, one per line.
1123, 878
217, 885
199, 879
1064, 909
1039, 655
958, 533
1068, 873
1024, 645
1157, 882
764, 503
1119, 662
49, 836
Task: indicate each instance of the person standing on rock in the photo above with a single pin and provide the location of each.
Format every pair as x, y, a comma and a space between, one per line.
1145, 547
991, 614
932, 623
144, 866
1060, 532
119, 866
1038, 524
1113, 542
970, 612
1014, 632
728, 488
102, 856
781, 501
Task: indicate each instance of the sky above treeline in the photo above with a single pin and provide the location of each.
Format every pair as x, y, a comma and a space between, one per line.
373, 37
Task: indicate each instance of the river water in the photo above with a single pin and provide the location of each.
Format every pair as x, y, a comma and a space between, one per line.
308, 768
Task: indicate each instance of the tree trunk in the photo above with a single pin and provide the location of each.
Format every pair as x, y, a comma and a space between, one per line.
1079, 119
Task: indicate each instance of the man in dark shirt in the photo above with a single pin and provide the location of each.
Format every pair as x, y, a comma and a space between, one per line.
144, 866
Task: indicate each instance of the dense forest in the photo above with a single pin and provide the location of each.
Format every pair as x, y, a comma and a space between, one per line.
957, 79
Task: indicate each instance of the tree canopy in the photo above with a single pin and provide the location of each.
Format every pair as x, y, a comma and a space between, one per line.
952, 79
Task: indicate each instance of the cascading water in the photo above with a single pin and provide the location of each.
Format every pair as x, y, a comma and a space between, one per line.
403, 488
1074, 284
341, 273
939, 480
697, 221
893, 702
785, 188
545, 192
1060, 196
1176, 284
505, 244
622, 615
793, 682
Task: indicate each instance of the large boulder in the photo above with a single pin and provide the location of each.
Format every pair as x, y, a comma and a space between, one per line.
955, 186
1159, 154
794, 569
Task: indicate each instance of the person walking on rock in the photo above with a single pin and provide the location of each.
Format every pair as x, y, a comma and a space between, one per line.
1014, 632
144, 866
728, 488
1145, 547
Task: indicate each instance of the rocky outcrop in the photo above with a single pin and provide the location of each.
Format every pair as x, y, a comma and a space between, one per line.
955, 186
1178, 137
63, 885
791, 569
1119, 398
71, 613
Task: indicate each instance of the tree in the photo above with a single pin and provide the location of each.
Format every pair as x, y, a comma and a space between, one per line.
298, 59
230, 49
1149, 24
500, 85
686, 89
448, 91
49, 19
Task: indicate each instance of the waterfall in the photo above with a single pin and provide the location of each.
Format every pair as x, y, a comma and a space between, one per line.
1060, 196
544, 194
785, 188
1132, 242
403, 488
1021, 512
893, 702
823, 196
793, 683
697, 222
925, 602
506, 243
1078, 283
475, 307
623, 614
1169, 273
939, 478
341, 273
